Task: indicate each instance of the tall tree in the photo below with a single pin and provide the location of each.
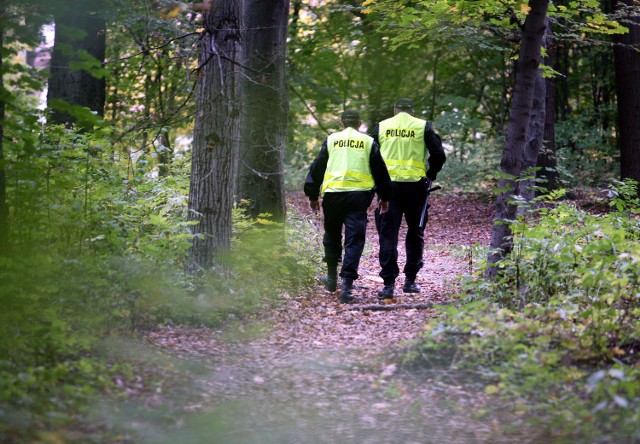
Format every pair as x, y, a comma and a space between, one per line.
529, 59
76, 62
547, 156
627, 69
527, 185
216, 133
265, 107
536, 134
4, 208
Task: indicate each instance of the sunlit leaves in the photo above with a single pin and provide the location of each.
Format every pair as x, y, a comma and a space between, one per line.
409, 21
562, 319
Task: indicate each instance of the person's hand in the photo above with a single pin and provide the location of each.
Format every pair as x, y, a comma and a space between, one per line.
383, 206
315, 205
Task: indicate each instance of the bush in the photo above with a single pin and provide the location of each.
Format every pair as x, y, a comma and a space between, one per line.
557, 330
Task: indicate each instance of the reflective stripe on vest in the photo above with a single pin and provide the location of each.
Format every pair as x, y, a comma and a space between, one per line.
402, 147
348, 167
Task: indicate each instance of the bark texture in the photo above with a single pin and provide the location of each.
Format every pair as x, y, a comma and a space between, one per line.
79, 30
4, 208
547, 155
535, 139
518, 132
216, 134
627, 69
265, 107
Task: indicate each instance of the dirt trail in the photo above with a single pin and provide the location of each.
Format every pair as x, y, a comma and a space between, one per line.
323, 374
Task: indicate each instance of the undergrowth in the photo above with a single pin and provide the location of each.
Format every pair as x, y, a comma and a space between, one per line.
98, 252
557, 332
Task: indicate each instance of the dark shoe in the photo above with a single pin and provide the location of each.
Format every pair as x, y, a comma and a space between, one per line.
386, 292
346, 291
410, 286
330, 283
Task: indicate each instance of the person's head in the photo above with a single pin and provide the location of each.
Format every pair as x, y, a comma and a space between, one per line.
403, 105
350, 119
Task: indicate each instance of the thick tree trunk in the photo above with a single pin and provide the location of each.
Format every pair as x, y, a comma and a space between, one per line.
265, 107
547, 156
4, 208
536, 138
79, 30
527, 187
627, 68
518, 132
216, 134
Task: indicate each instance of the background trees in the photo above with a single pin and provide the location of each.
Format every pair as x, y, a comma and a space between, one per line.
76, 74
458, 62
627, 67
216, 132
518, 134
103, 207
265, 105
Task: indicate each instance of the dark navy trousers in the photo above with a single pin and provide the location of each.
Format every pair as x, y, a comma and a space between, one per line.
408, 200
348, 209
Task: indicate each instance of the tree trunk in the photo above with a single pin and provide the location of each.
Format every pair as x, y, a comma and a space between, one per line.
563, 109
79, 30
216, 134
527, 187
165, 154
265, 107
536, 138
518, 132
627, 69
547, 156
4, 208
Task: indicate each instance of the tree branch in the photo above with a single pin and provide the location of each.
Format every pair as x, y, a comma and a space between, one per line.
386, 307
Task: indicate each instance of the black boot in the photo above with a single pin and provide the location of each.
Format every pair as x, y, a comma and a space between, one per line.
330, 281
346, 295
386, 292
410, 286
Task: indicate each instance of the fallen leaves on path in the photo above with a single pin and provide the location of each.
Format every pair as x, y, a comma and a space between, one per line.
323, 373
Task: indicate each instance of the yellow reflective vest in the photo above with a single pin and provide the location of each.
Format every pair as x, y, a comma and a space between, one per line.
348, 167
402, 147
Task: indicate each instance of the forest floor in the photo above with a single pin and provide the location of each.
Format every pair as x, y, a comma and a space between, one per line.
326, 372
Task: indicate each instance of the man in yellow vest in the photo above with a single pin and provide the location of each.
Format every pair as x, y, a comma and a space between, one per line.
404, 142
345, 173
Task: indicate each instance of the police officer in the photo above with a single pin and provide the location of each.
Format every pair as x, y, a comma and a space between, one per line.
344, 173
404, 142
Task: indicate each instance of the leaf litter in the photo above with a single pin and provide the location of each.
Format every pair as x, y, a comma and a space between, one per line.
326, 372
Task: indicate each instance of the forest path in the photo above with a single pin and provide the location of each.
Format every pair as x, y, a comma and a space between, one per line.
323, 374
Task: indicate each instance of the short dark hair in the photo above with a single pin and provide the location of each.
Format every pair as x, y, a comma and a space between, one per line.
351, 116
404, 103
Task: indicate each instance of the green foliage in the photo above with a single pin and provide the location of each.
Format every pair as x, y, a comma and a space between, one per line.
52, 319
585, 155
625, 196
101, 253
557, 330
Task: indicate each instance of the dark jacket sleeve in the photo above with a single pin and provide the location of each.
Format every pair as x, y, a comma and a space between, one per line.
437, 157
380, 173
316, 173
374, 133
